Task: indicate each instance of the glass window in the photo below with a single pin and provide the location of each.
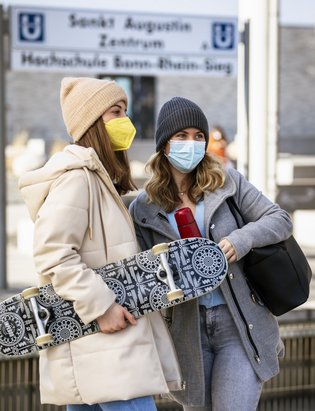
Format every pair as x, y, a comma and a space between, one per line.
141, 97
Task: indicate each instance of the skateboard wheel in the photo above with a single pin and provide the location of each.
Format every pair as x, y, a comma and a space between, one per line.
160, 248
174, 295
44, 339
30, 292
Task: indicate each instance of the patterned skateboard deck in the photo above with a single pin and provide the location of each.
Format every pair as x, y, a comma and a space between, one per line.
140, 282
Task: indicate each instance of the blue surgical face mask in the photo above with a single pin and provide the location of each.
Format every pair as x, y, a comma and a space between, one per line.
186, 155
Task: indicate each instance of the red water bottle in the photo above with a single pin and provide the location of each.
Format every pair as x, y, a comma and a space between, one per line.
186, 223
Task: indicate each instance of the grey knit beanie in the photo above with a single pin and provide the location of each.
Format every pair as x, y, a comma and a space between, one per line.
177, 114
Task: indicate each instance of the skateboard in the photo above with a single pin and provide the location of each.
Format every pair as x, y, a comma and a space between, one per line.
166, 275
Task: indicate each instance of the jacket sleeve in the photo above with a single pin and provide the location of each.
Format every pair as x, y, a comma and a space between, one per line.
61, 226
266, 222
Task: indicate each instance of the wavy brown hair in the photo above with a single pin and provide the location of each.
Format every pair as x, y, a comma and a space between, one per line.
161, 187
116, 163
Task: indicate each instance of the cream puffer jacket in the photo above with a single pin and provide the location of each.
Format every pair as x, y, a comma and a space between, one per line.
81, 223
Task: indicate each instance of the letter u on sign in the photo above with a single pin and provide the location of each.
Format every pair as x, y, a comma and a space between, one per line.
223, 36
31, 27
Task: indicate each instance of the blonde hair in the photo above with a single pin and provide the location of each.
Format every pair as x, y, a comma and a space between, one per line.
161, 187
116, 163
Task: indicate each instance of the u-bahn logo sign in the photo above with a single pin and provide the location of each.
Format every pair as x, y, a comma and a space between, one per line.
107, 42
31, 27
223, 36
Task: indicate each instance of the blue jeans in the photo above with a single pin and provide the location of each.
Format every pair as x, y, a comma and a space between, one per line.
231, 383
136, 404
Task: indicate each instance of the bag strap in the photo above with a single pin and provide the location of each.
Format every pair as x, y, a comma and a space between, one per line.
234, 208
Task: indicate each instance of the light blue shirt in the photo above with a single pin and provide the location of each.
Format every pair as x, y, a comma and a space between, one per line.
215, 297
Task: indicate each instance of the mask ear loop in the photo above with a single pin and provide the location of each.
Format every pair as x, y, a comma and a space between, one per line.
164, 147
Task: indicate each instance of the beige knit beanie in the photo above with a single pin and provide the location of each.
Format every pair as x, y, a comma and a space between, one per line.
83, 100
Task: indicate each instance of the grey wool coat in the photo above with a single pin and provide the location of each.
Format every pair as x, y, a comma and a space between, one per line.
258, 328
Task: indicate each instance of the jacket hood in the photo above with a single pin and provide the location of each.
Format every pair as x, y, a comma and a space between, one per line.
36, 184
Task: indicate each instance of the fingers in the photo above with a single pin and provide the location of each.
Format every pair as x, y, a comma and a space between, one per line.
228, 250
116, 318
130, 318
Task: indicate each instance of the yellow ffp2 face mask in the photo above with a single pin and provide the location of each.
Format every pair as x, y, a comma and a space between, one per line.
121, 133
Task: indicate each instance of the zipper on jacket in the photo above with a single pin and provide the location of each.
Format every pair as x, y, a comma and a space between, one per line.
256, 356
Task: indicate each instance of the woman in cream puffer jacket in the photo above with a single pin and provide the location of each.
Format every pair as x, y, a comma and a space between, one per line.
81, 223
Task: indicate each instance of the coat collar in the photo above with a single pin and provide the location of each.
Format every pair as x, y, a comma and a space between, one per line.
215, 198
154, 217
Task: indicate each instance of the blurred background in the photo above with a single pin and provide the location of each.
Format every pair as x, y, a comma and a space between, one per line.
250, 65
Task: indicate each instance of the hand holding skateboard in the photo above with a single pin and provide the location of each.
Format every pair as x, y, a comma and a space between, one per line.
116, 318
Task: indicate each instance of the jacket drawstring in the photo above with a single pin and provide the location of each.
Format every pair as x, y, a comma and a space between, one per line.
90, 202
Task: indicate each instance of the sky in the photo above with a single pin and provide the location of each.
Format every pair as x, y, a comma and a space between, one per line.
292, 12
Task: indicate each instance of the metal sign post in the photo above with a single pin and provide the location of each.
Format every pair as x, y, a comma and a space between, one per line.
3, 234
258, 106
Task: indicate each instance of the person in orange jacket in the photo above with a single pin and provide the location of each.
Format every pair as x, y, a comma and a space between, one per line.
217, 145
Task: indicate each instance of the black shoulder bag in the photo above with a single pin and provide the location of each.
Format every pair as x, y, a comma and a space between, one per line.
278, 273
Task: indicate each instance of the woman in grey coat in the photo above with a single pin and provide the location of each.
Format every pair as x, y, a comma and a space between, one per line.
228, 344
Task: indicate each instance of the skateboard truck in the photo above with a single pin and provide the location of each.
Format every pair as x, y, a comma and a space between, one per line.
41, 316
165, 273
